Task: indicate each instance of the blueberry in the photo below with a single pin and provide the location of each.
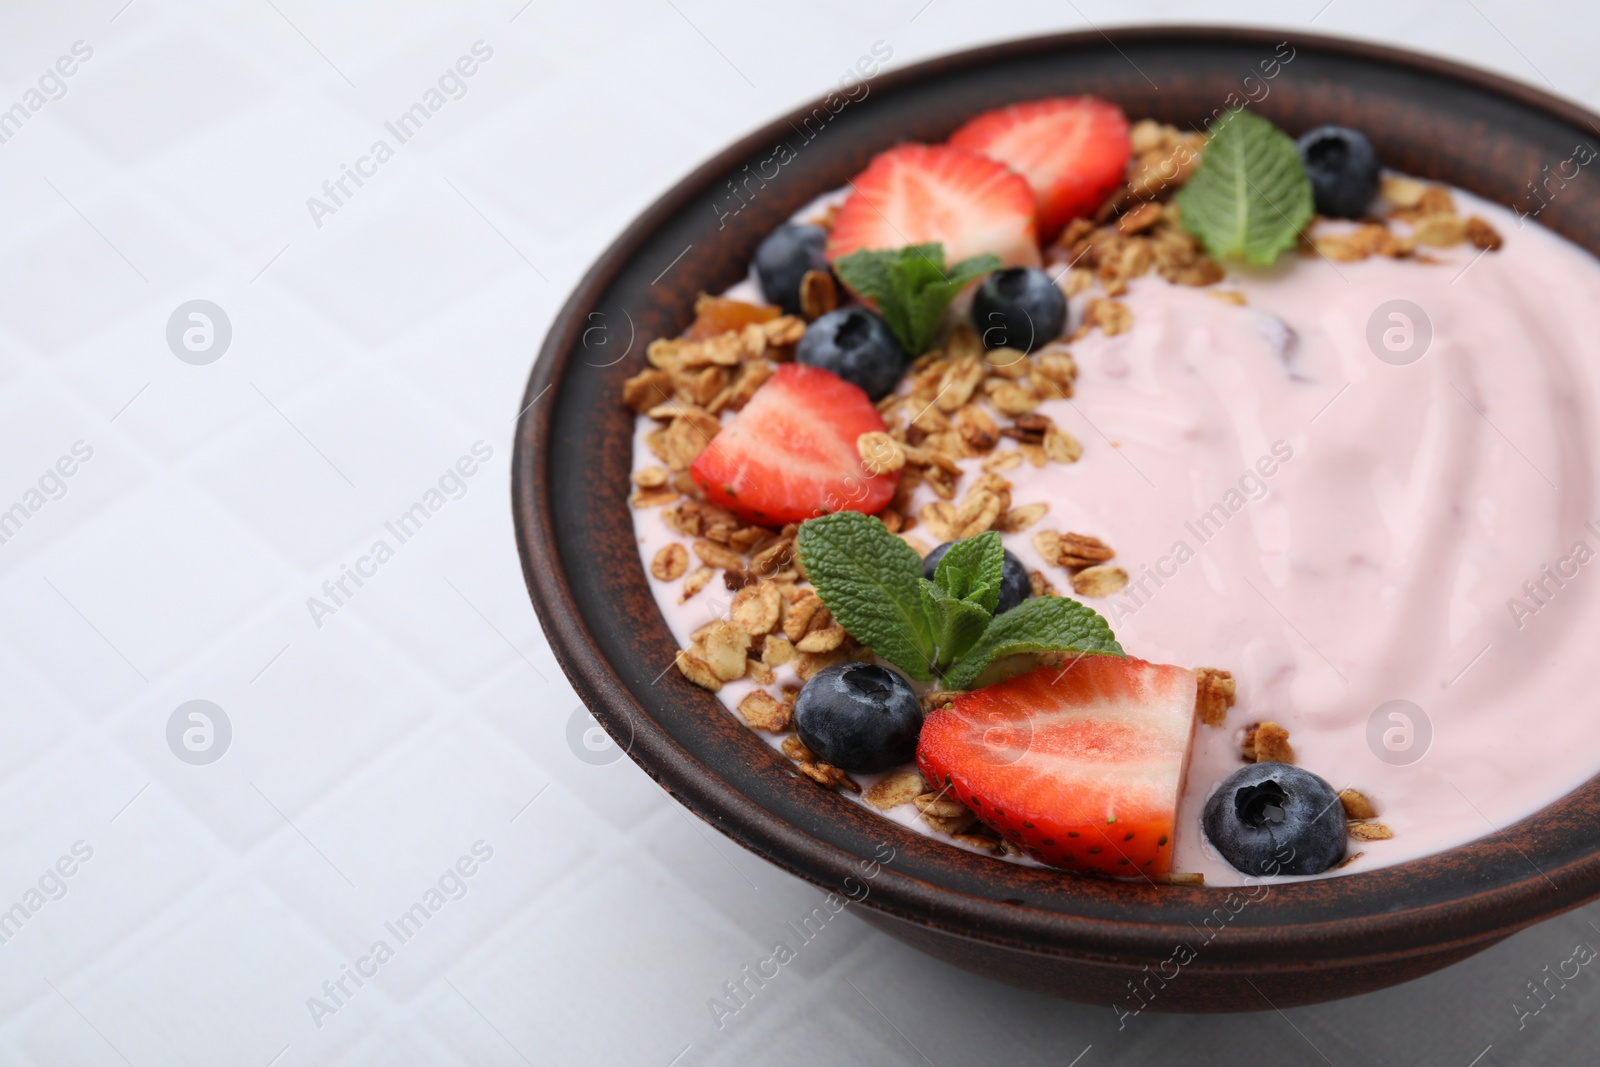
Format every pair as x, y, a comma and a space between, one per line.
783, 259
1343, 168
1014, 584
859, 717
1272, 818
857, 346
1020, 308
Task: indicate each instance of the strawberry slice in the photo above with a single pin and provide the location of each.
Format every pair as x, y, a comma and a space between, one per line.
1082, 767
790, 454
917, 193
1073, 150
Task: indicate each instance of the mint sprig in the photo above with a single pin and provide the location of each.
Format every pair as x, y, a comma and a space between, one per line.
872, 582
1041, 624
912, 287
1251, 197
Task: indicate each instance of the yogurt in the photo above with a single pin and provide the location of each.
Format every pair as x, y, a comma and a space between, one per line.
1368, 493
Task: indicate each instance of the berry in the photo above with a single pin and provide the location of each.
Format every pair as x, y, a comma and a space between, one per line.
917, 193
1343, 168
1073, 151
1018, 308
784, 258
859, 717
1081, 766
857, 346
1273, 818
1014, 584
790, 454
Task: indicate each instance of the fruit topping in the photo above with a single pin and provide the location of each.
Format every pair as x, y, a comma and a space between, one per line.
1014, 584
791, 454
715, 315
917, 194
783, 259
1020, 308
1081, 766
1073, 152
872, 582
856, 345
911, 287
1343, 168
859, 717
1271, 818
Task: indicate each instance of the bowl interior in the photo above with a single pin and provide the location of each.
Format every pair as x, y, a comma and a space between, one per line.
1426, 117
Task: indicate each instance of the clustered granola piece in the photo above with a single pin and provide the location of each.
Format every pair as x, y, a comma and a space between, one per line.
1428, 213
1214, 694
670, 562
1072, 550
955, 405
1370, 831
763, 711
1099, 581
944, 813
818, 294
696, 581
880, 453
1356, 805
1085, 559
1266, 742
1039, 585
1362, 815
895, 789
981, 838
824, 774
1180, 878
1136, 231
771, 622
745, 553
987, 499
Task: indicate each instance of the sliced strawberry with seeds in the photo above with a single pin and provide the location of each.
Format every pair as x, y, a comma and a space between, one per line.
1081, 766
790, 454
1073, 151
916, 193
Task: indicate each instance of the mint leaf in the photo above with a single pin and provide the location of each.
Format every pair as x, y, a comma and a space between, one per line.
957, 624
872, 582
1043, 624
868, 275
912, 287
970, 570
1251, 196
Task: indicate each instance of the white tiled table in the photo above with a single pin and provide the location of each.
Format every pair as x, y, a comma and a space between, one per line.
425, 714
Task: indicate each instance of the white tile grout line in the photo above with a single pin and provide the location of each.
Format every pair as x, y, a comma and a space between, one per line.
96, 230
308, 41
303, 836
91, 1025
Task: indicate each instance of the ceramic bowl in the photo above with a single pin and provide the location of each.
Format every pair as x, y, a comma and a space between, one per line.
1073, 937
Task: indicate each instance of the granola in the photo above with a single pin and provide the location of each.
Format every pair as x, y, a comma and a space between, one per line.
1266, 742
